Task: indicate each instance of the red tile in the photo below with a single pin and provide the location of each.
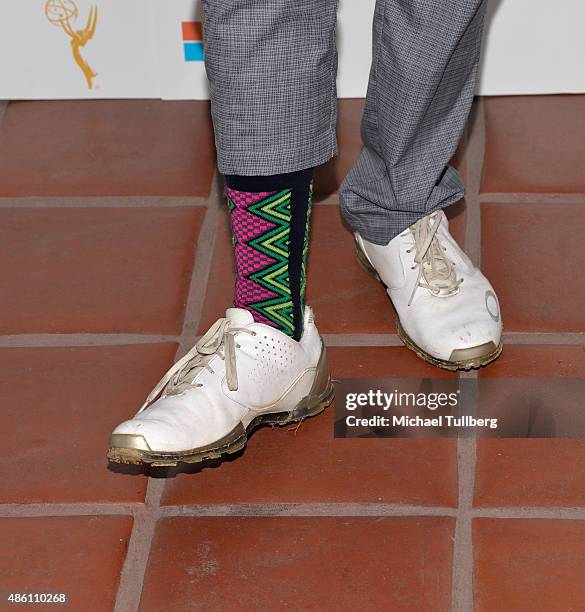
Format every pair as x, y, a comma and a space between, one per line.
538, 361
532, 472
381, 362
534, 144
106, 147
309, 465
220, 285
345, 298
285, 563
96, 269
458, 159
80, 556
529, 254
457, 217
60, 406
527, 565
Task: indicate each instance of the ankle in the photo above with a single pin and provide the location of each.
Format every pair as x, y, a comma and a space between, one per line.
270, 222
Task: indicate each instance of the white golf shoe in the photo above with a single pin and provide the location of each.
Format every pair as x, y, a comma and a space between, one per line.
240, 375
448, 313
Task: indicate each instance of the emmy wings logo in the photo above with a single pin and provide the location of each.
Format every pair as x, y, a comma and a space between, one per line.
64, 14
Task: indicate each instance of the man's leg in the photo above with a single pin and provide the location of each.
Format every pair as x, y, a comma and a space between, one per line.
422, 80
271, 66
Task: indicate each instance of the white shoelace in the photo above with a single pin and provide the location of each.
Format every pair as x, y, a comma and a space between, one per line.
218, 340
435, 271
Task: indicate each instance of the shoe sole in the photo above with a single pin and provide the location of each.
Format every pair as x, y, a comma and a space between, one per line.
129, 448
472, 358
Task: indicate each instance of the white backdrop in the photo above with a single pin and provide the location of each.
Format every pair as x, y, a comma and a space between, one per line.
142, 48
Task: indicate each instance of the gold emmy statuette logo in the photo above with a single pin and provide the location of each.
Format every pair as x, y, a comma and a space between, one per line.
61, 13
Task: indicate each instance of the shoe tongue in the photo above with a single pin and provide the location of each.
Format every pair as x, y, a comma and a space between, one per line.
239, 317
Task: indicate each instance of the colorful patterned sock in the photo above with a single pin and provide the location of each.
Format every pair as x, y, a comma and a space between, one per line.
270, 218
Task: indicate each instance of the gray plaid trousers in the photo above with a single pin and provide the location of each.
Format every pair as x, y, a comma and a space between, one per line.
272, 66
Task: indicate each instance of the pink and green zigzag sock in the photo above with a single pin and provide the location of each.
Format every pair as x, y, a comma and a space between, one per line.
270, 254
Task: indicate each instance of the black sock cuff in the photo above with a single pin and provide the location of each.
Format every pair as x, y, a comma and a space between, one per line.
274, 182
300, 205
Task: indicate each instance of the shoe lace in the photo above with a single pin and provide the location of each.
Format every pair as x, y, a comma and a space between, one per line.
218, 340
435, 272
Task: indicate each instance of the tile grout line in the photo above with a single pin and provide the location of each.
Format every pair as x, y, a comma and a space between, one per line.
316, 509
473, 168
50, 509
560, 338
135, 564
201, 267
463, 566
102, 202
533, 198
462, 595
370, 340
37, 509
124, 201
552, 513
134, 568
79, 340
56, 340
3, 107
330, 200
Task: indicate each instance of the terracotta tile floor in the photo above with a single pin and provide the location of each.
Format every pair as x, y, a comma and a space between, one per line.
115, 252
